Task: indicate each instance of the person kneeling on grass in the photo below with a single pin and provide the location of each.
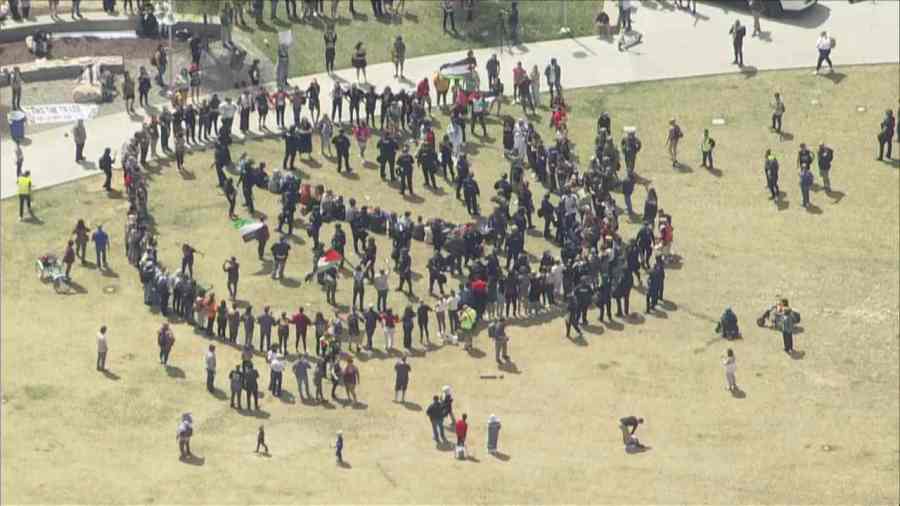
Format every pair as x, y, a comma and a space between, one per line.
628, 425
728, 325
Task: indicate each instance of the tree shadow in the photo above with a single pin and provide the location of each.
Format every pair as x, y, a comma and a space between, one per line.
175, 372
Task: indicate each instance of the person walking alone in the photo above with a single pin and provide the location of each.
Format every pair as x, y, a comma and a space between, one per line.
102, 349
261, 440
824, 44
738, 32
210, 368
728, 362
23, 184
401, 382
79, 135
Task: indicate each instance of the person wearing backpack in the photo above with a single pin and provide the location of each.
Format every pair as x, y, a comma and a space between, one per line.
675, 134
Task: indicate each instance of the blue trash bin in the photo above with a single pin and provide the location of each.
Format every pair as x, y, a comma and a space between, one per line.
17, 125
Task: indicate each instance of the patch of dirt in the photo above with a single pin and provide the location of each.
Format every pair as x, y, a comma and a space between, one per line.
130, 49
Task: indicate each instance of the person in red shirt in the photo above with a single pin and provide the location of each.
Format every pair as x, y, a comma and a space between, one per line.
462, 428
423, 92
301, 322
519, 74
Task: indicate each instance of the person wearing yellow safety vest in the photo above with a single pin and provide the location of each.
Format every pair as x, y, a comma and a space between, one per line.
467, 318
706, 149
24, 185
771, 170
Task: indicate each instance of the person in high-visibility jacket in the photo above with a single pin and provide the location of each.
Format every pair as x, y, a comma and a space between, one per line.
706, 150
24, 185
467, 319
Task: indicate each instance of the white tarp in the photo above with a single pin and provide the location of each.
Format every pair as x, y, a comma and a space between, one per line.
59, 113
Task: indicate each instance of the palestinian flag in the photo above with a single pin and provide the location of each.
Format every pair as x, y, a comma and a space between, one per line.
250, 230
329, 260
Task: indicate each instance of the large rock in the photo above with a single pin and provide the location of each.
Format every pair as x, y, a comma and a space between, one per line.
87, 94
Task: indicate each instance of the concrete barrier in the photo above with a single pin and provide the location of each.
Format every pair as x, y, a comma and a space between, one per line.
67, 68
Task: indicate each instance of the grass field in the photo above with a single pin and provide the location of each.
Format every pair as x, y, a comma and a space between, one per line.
420, 27
820, 428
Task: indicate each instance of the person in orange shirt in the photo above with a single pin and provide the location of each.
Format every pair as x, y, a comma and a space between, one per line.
441, 86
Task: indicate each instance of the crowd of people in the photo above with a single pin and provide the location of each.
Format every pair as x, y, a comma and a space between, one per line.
496, 281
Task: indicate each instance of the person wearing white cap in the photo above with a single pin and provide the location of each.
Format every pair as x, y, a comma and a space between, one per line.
493, 434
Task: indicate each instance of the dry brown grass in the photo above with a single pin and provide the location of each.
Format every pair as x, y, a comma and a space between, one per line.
73, 435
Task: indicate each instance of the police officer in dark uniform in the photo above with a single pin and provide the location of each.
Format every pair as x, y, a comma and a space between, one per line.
471, 192
387, 154
342, 147
515, 246
771, 169
404, 267
314, 227
106, 163
526, 203
247, 180
359, 230
546, 212
288, 207
291, 146
462, 173
631, 145
429, 162
435, 273
405, 162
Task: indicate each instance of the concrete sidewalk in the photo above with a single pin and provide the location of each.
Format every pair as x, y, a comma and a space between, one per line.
675, 45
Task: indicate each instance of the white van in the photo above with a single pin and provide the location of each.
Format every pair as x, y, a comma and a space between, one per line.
779, 7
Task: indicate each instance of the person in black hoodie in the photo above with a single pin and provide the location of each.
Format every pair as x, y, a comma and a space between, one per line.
405, 162
422, 318
371, 318
342, 147
408, 319
622, 291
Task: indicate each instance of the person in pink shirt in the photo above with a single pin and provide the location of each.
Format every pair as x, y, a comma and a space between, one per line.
362, 132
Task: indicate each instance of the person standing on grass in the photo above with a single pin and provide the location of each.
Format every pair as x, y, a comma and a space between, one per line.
447, 13
787, 330
261, 440
165, 339
401, 381
778, 111
236, 378
806, 182
102, 349
277, 370
69, 258
728, 362
210, 368
738, 32
824, 44
672, 137
706, 149
23, 184
886, 134
825, 156
350, 379
330, 38
184, 432
461, 429
101, 246
771, 171
301, 368
339, 443
301, 325
251, 386
435, 414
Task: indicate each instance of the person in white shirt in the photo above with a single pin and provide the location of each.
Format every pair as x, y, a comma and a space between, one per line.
277, 367
227, 110
728, 362
440, 310
453, 310
102, 348
825, 44
210, 367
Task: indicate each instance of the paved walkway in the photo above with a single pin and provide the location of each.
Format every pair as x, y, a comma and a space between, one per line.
676, 45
